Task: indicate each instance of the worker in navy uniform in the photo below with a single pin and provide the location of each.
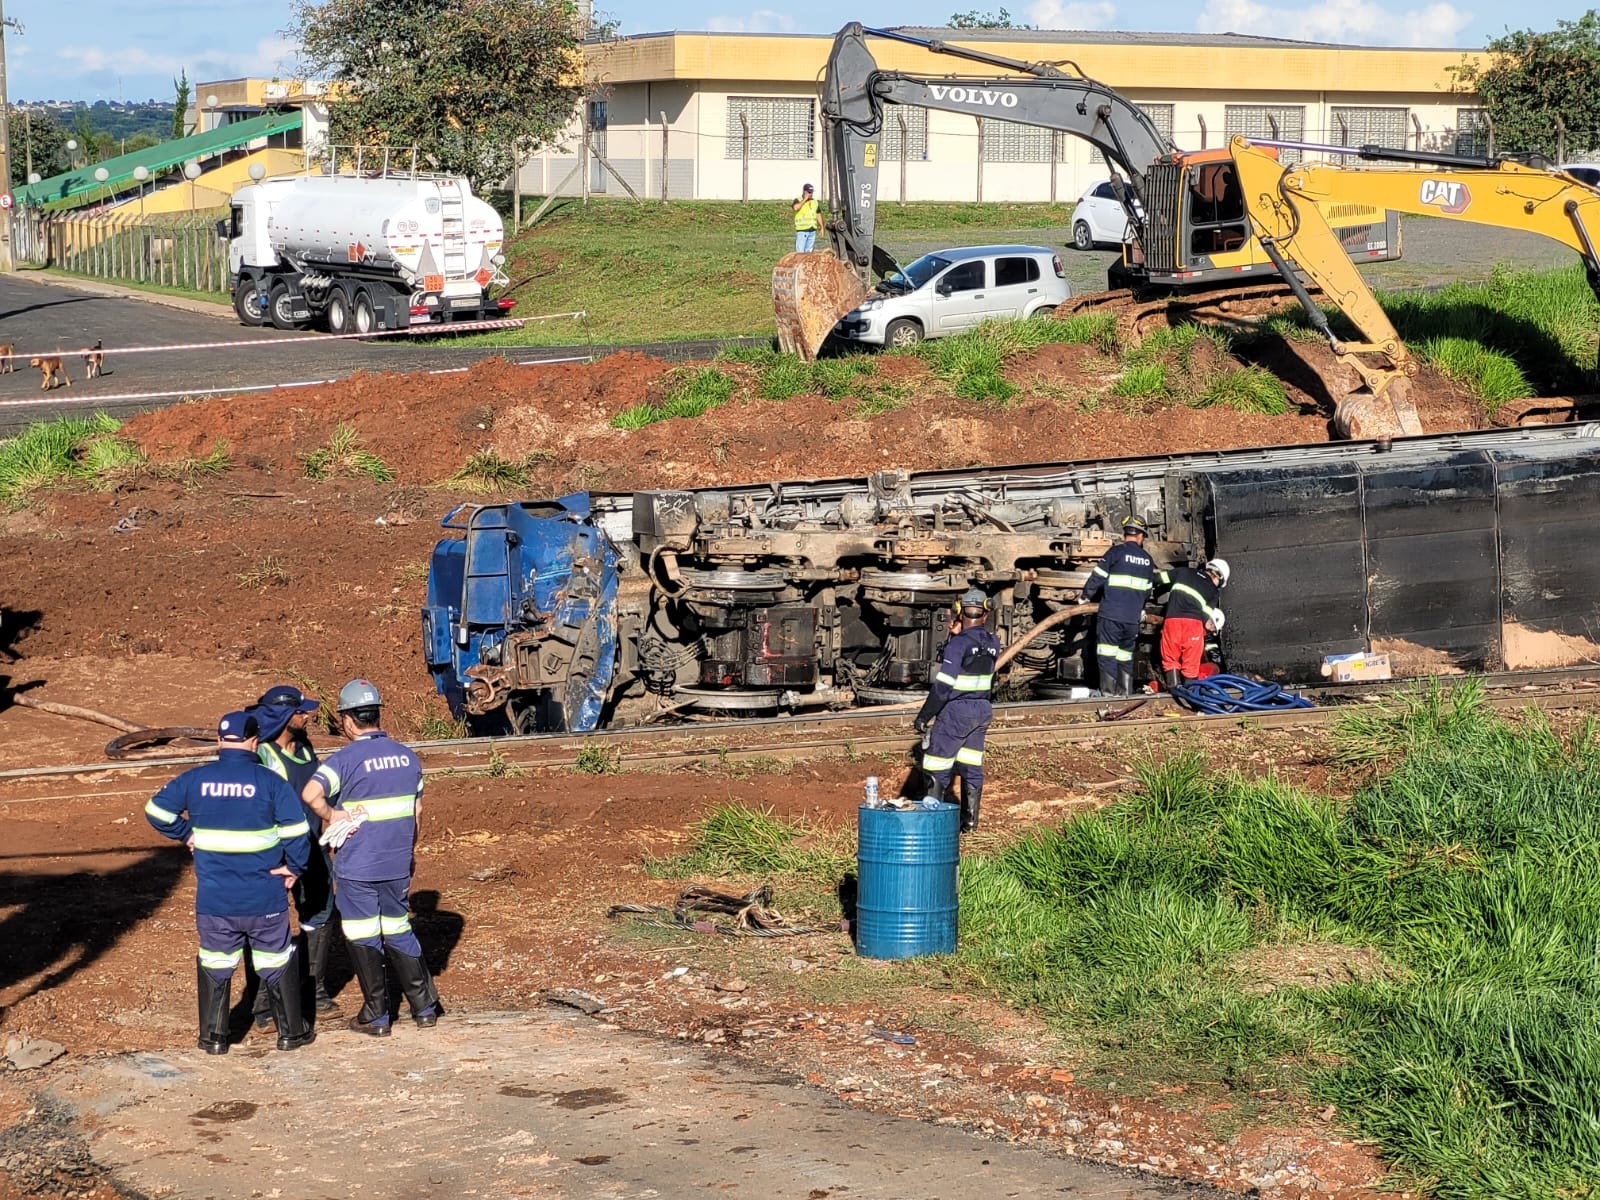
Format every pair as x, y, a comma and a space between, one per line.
284, 715
250, 841
1121, 582
374, 786
1193, 614
957, 712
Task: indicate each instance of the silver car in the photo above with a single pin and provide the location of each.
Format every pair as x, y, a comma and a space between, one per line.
952, 290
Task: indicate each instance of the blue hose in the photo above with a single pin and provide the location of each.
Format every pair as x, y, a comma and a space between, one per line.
1236, 694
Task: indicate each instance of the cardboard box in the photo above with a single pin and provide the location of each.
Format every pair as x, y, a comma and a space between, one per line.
1356, 668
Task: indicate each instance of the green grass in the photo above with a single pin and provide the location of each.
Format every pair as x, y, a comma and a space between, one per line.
66, 450
1455, 897
691, 392
486, 471
344, 455
1248, 390
1141, 381
1493, 375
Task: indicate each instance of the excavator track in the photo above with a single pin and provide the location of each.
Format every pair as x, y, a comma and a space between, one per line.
1139, 313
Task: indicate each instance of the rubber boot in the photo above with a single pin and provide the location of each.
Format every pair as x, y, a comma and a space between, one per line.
1125, 681
261, 1004
213, 1011
318, 942
284, 993
934, 792
1172, 679
373, 1019
970, 804
417, 985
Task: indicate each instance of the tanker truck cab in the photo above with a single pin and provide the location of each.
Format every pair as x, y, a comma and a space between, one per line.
361, 253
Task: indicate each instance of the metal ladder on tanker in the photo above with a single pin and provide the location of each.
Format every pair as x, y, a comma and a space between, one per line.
453, 215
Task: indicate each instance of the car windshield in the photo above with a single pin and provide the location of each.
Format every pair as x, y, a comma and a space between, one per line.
917, 274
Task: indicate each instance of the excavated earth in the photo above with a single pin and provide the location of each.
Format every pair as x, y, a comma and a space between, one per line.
168, 599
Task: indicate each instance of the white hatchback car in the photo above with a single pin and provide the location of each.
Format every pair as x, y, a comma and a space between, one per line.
951, 290
1098, 218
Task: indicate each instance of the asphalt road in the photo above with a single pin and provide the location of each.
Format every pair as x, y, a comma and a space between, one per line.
43, 316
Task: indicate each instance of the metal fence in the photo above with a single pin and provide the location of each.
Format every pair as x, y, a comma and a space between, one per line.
178, 252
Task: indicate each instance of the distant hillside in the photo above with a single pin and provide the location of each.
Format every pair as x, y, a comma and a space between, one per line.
119, 121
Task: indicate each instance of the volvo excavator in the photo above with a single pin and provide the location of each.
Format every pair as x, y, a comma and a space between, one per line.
1185, 211
1288, 209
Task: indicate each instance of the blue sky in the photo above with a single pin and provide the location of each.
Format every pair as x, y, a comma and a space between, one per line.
131, 49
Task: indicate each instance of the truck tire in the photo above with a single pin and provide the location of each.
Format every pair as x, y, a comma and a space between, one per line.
902, 334
337, 314
1082, 236
247, 303
363, 318
280, 308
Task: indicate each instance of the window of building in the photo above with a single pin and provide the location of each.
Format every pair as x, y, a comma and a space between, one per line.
916, 135
1009, 142
1281, 122
1472, 132
1385, 127
965, 277
1161, 116
780, 127
1009, 271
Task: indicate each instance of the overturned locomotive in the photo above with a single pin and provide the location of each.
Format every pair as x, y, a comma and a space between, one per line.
1466, 552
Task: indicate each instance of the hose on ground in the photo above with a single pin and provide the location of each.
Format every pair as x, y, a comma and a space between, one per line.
1223, 694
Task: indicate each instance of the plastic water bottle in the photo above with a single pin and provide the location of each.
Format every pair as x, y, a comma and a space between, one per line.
872, 792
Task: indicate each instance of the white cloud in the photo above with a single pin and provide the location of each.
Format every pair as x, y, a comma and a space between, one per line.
1072, 14
269, 56
1350, 21
762, 20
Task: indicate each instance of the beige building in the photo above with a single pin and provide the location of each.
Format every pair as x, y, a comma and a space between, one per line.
712, 116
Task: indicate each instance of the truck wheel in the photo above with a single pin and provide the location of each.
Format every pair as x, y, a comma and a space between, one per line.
363, 317
280, 308
902, 334
337, 314
247, 303
1082, 236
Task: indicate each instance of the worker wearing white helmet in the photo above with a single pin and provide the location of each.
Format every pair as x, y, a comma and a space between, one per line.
1193, 610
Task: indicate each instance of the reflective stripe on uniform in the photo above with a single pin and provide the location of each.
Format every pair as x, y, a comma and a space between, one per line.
930, 763
394, 926
298, 829
1099, 570
236, 841
1137, 583
363, 927
155, 810
385, 808
1106, 650
1198, 599
947, 680
271, 960
329, 779
218, 960
972, 683
276, 765
969, 757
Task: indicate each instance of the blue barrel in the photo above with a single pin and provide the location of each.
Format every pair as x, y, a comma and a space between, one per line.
906, 881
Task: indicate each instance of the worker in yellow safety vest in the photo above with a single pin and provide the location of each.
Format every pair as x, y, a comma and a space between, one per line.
807, 221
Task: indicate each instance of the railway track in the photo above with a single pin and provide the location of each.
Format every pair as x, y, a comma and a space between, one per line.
863, 732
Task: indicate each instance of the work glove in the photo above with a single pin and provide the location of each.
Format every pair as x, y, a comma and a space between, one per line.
919, 726
338, 833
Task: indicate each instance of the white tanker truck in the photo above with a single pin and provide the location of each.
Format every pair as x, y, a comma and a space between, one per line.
358, 253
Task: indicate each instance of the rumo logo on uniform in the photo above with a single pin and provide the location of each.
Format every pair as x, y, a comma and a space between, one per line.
982, 97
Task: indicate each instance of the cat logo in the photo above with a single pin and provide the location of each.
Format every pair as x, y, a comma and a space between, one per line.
1447, 195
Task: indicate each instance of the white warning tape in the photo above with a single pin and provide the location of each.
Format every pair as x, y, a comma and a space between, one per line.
241, 389
305, 339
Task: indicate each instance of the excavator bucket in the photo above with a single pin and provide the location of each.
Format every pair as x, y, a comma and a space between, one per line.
810, 292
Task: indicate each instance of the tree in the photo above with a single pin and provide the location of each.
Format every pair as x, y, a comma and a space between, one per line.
973, 19
37, 136
180, 106
471, 83
1529, 80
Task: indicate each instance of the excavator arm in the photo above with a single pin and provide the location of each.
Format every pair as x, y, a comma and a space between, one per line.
1288, 207
812, 291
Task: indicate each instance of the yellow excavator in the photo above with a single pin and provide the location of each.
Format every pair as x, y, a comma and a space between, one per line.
1288, 209
1185, 217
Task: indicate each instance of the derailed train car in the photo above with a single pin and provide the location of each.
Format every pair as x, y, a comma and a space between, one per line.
1455, 553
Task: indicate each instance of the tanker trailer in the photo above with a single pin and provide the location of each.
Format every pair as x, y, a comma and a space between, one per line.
355, 253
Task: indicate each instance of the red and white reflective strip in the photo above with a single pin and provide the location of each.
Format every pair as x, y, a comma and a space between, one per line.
94, 401
306, 339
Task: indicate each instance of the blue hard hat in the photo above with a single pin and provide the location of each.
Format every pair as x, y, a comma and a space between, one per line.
237, 727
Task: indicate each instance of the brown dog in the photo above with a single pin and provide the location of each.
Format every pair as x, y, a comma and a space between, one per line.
8, 358
51, 368
95, 361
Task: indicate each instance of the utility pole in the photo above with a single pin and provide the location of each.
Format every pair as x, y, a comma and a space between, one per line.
6, 263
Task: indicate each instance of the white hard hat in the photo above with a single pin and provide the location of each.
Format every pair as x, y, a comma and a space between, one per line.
1218, 619
1220, 567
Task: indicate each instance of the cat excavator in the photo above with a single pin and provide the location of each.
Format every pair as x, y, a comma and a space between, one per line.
1288, 209
1185, 210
